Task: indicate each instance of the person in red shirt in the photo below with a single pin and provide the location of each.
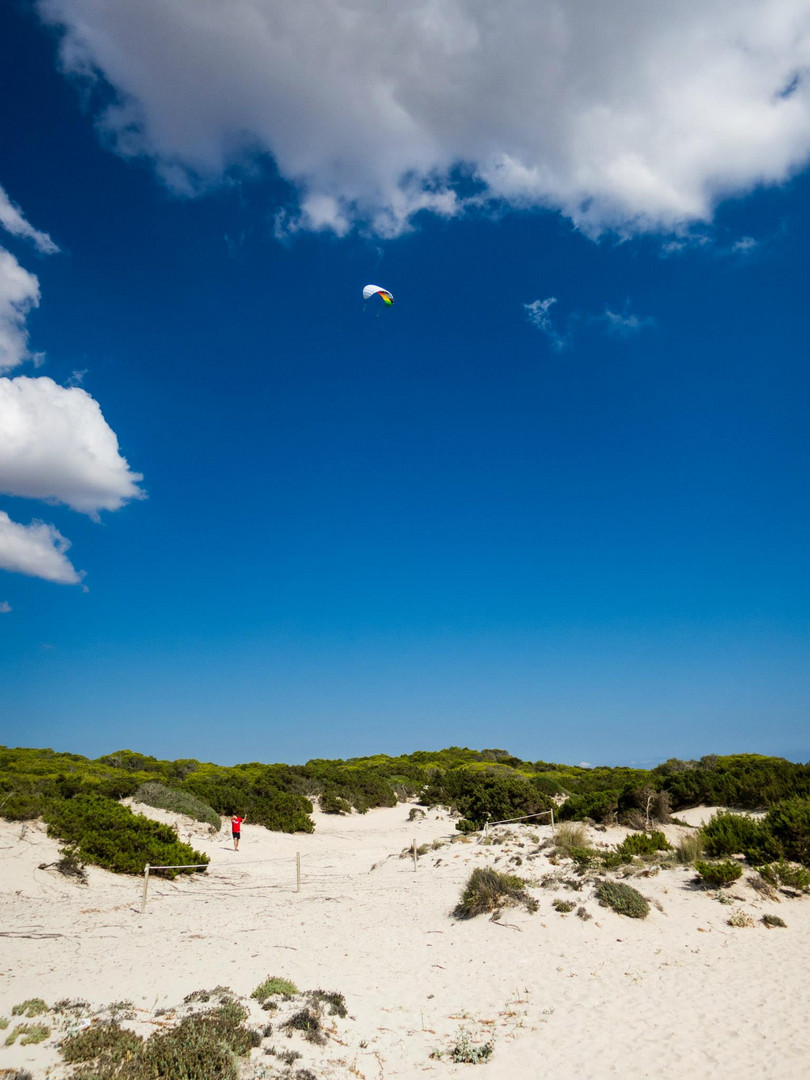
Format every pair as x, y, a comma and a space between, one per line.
236, 830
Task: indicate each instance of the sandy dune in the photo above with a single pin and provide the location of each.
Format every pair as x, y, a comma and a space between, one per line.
677, 994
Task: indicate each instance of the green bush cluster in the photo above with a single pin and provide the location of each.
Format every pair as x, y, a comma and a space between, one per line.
110, 835
203, 1046
719, 874
153, 793
488, 794
333, 804
784, 833
782, 874
643, 844
478, 784
624, 899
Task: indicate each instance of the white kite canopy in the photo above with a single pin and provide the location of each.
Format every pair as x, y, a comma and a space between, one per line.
377, 290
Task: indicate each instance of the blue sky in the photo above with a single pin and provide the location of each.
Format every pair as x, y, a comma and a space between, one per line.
554, 500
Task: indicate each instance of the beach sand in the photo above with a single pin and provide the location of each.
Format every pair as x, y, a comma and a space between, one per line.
677, 994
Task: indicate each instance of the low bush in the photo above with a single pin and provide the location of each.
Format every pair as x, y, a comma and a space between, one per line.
488, 891
308, 1022
106, 1042
466, 1052
786, 875
718, 875
179, 801
30, 1008
740, 918
773, 920
734, 834
643, 844
336, 1002
563, 906
28, 1034
274, 985
624, 899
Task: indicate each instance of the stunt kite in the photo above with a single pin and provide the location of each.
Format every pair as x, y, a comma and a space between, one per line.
377, 290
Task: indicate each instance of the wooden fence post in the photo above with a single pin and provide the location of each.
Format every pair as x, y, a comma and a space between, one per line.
298, 871
415, 856
145, 887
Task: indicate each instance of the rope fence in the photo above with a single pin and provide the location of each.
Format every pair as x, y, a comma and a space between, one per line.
320, 876
311, 878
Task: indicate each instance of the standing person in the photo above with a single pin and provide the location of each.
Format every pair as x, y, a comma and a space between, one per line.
236, 829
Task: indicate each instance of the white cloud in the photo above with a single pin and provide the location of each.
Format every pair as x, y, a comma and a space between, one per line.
12, 219
630, 115
538, 316
55, 444
5, 607
626, 324
19, 292
37, 550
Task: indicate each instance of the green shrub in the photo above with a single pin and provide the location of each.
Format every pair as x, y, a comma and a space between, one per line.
789, 824
643, 844
106, 1040
111, 836
783, 874
464, 1051
494, 794
333, 804
598, 806
718, 875
153, 793
563, 906
740, 918
200, 1047
274, 985
335, 1001
612, 860
488, 891
28, 1034
732, 834
308, 1022
624, 899
30, 1008
773, 920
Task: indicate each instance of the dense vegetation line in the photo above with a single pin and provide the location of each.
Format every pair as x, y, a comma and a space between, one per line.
73, 793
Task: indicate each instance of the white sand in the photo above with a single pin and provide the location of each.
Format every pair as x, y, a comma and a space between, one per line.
676, 994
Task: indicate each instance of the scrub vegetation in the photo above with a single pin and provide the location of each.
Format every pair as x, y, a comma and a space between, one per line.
78, 797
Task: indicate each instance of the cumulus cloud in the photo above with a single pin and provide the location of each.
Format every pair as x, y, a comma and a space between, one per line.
19, 292
628, 116
55, 444
5, 607
13, 220
37, 550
